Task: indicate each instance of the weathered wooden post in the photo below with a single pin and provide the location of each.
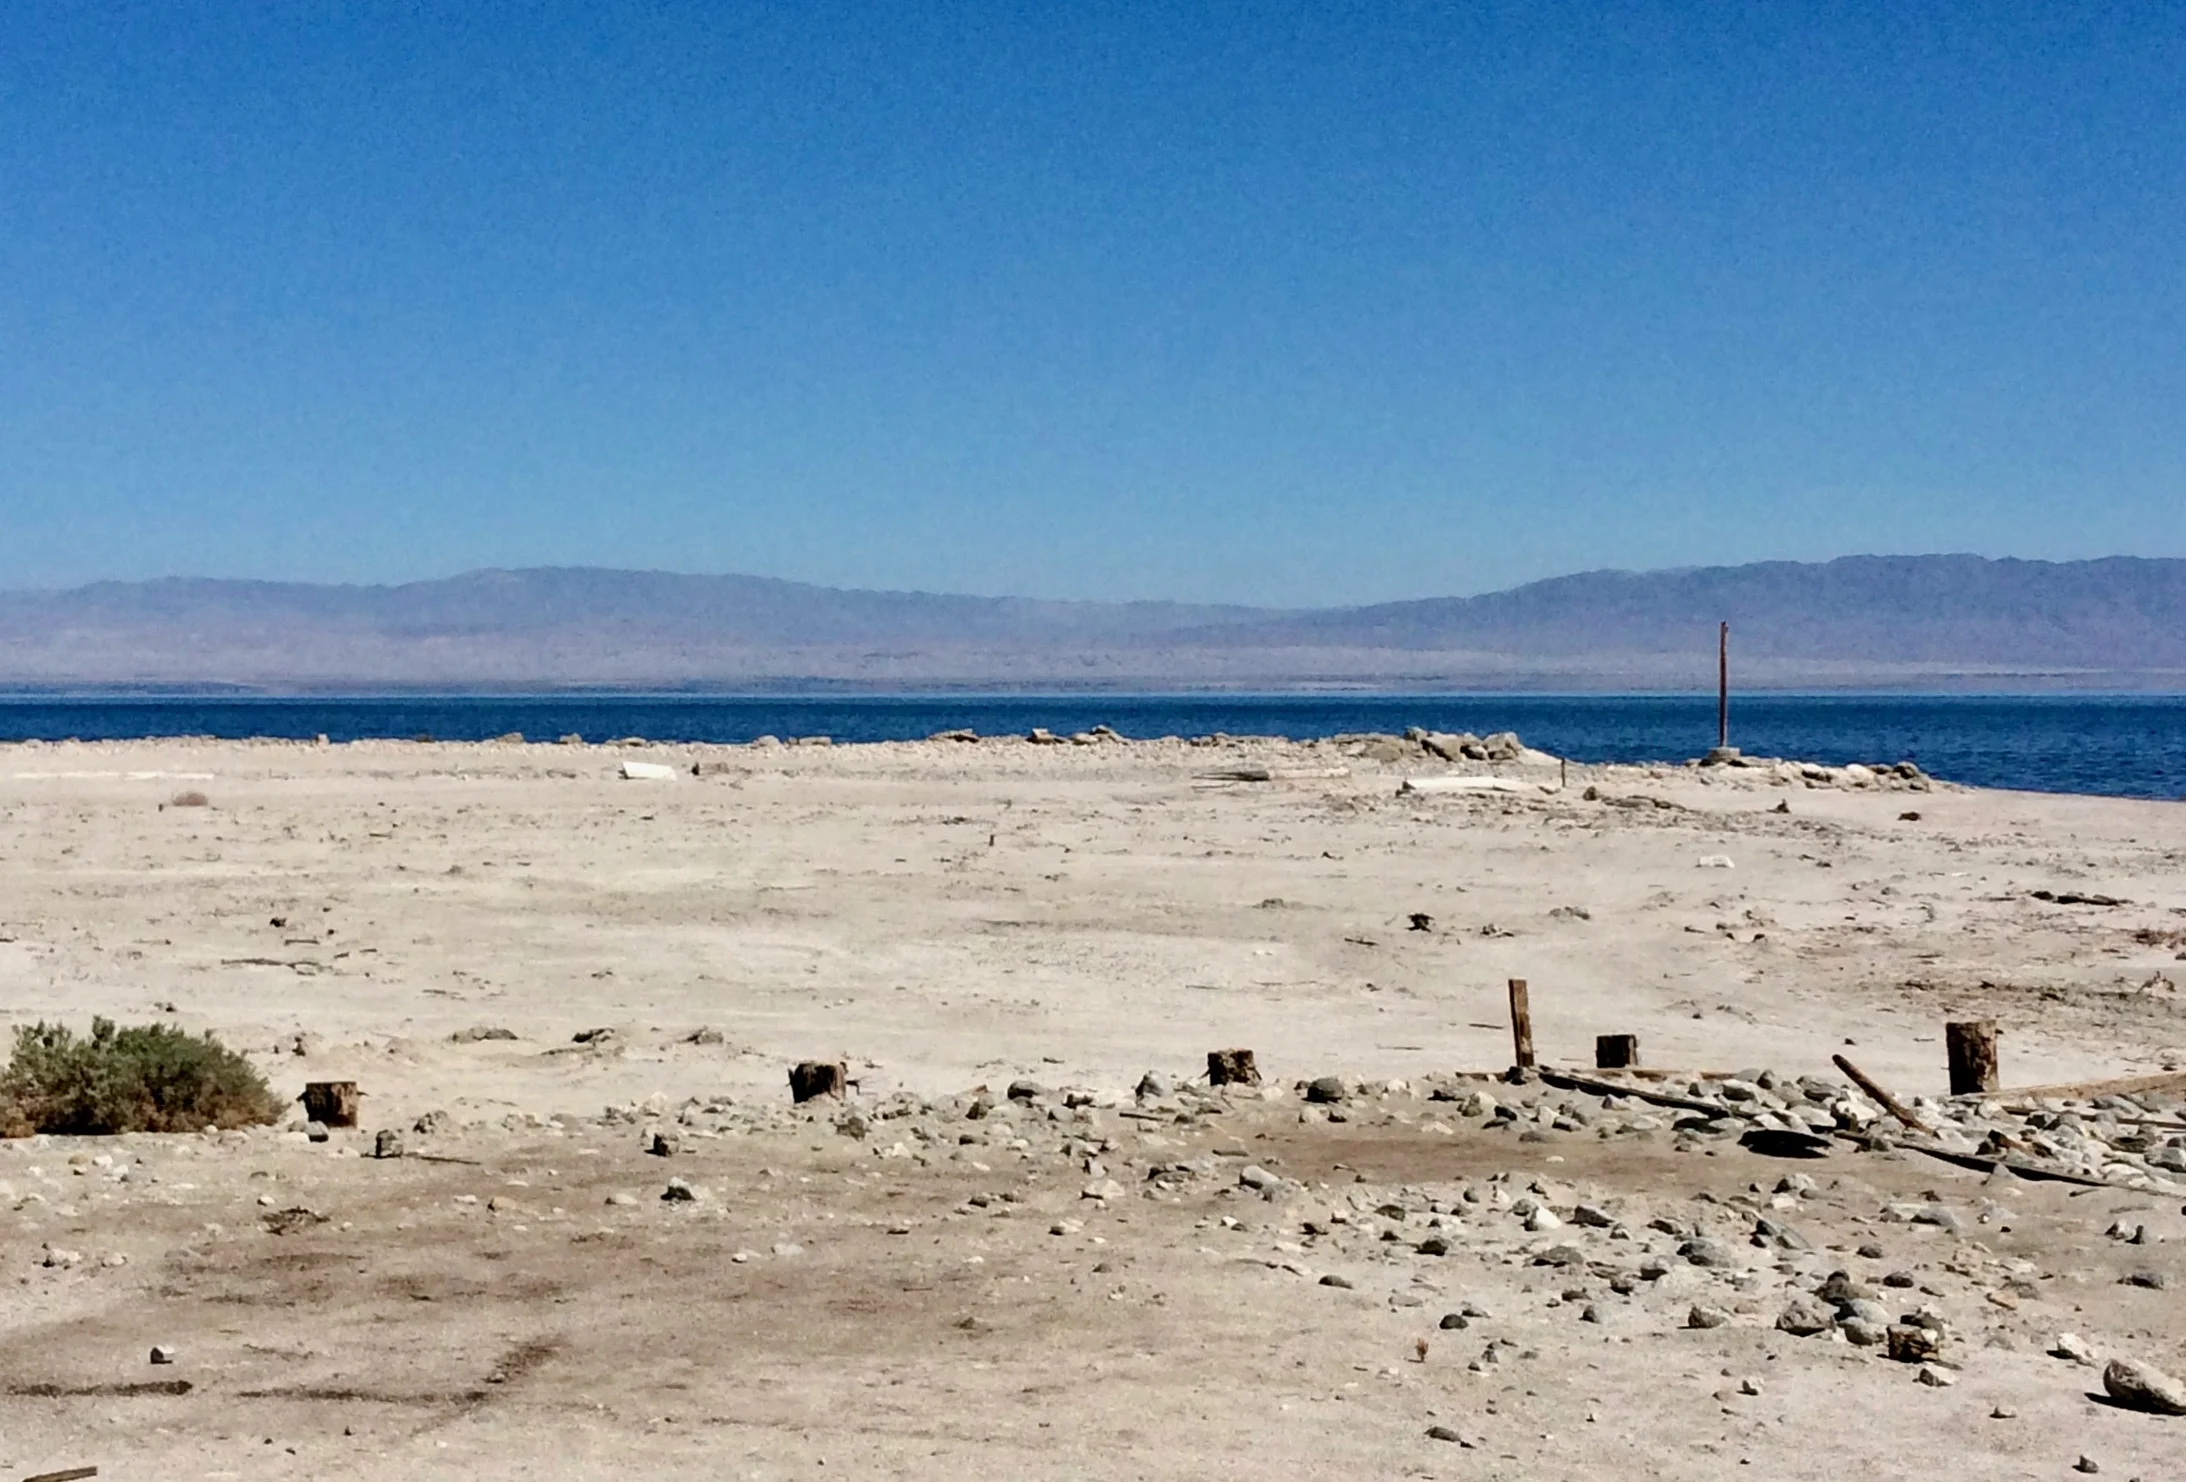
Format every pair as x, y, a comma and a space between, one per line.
331, 1103
1232, 1068
811, 1079
1616, 1051
1972, 1048
1521, 1026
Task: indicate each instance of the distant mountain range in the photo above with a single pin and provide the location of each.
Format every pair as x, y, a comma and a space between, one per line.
1862, 621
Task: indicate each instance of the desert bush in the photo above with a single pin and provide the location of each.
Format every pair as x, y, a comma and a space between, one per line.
150, 1078
191, 799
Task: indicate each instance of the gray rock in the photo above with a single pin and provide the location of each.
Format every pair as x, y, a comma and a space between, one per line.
1326, 1089
1028, 1091
1863, 1309
387, 1143
1804, 1316
1841, 1287
1332, 1279
1912, 1345
1593, 1217
1705, 1251
1768, 1232
1704, 1316
1154, 1085
1454, 1322
1863, 1332
679, 1191
162, 1354
2138, 1386
1253, 1176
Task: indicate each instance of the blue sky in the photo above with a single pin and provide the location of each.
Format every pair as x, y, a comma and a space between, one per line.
1256, 302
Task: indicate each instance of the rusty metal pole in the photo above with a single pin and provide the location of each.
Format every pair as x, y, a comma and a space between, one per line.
1723, 686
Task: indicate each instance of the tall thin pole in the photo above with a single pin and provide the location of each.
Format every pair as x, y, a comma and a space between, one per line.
1723, 685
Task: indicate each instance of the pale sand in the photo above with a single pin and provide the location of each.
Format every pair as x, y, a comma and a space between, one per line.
949, 915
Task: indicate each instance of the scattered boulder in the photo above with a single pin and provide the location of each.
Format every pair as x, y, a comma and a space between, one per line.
1326, 1089
1804, 1316
2139, 1386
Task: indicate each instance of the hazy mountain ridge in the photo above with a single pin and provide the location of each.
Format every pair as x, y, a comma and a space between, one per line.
2119, 621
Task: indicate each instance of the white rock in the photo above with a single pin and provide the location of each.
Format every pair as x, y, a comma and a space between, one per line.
2072, 1346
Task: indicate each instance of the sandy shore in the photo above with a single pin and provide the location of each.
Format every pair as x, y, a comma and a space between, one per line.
946, 916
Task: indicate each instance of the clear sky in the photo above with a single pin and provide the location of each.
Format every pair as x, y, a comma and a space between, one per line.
1260, 302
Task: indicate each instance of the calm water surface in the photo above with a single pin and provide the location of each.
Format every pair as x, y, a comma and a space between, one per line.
2131, 746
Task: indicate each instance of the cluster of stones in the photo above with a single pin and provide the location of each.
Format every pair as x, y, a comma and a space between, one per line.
1879, 776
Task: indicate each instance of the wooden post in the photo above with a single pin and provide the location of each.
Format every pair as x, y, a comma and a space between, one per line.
1616, 1051
1723, 685
1972, 1047
1521, 1025
809, 1079
1232, 1068
331, 1103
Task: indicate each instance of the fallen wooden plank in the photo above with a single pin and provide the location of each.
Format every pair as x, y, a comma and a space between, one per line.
1469, 784
2168, 1080
66, 1474
1881, 1097
1983, 1164
1565, 1080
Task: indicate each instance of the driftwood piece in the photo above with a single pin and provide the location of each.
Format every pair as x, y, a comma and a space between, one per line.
331, 1103
1972, 1048
1232, 1068
1983, 1164
1616, 1051
66, 1474
1521, 1026
1880, 1097
2162, 1081
1571, 1080
811, 1079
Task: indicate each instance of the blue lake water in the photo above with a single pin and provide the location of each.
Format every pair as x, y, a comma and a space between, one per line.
2126, 745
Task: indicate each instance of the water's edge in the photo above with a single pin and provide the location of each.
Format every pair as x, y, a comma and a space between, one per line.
2124, 745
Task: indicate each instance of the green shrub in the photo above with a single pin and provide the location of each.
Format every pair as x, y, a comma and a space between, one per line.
152, 1078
